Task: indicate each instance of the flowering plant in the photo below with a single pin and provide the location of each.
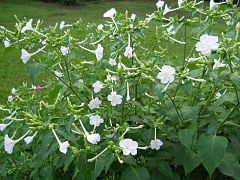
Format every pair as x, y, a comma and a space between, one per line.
117, 101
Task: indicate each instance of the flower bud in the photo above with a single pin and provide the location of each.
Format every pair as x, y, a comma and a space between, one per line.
238, 27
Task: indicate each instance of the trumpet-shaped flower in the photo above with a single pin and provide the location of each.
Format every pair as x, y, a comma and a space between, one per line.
128, 146
110, 13
6, 43
156, 144
4, 126
25, 56
114, 98
13, 91
28, 26
97, 86
171, 30
166, 9
207, 44
180, 3
95, 120
64, 50
167, 74
9, 143
100, 27
111, 78
29, 139
10, 98
62, 24
99, 52
218, 64
63, 147
93, 138
160, 4
94, 103
133, 17
128, 52
112, 62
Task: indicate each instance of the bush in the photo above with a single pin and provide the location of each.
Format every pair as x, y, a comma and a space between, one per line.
125, 100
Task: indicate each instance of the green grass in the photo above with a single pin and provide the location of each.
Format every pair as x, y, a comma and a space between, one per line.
12, 71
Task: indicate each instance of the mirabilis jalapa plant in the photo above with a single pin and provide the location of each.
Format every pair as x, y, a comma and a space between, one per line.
119, 102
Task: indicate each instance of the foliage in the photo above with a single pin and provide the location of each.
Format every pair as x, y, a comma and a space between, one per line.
120, 103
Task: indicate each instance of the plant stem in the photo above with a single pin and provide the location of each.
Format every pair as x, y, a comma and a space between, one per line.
174, 104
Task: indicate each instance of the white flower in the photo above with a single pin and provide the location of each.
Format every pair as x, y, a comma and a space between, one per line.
133, 17
218, 95
229, 23
97, 86
111, 78
58, 74
94, 103
218, 64
166, 9
95, 120
3, 127
10, 98
62, 24
100, 27
99, 52
44, 42
180, 3
110, 13
28, 26
80, 83
8, 144
128, 52
13, 91
213, 5
25, 56
167, 74
207, 44
6, 42
156, 144
171, 30
128, 146
29, 139
112, 62
64, 50
63, 147
114, 98
93, 138
160, 4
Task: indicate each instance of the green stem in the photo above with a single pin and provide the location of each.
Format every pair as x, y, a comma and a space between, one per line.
70, 87
174, 104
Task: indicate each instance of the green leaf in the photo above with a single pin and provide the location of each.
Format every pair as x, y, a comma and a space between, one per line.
165, 169
211, 151
34, 70
230, 166
103, 162
138, 173
138, 33
191, 161
186, 136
